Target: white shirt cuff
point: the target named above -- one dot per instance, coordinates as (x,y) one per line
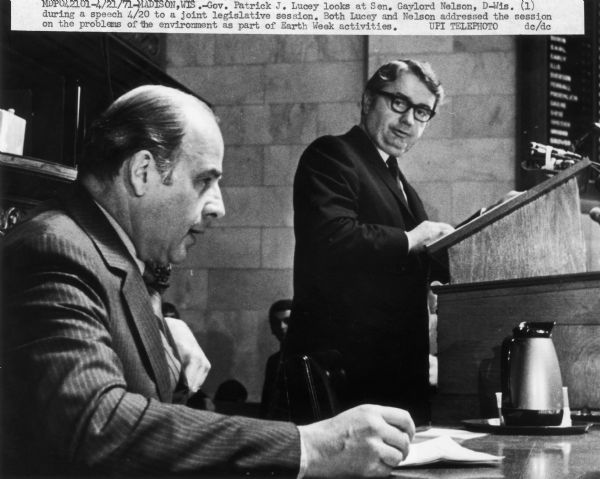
(303,458)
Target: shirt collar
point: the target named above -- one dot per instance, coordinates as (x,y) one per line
(124,238)
(384,155)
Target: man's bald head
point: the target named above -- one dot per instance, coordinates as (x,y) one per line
(151,117)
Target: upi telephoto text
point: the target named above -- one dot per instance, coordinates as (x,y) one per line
(381,17)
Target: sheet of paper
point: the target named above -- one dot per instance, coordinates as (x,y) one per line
(445,449)
(459,434)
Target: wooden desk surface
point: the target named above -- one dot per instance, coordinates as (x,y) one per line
(527,457)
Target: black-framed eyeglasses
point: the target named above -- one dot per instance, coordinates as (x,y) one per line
(401,104)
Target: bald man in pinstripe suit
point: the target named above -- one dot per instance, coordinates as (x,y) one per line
(87,387)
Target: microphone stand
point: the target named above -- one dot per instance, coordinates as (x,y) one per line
(551,159)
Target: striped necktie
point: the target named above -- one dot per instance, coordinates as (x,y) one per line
(392,164)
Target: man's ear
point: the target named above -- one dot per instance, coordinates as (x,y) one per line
(367,100)
(139,167)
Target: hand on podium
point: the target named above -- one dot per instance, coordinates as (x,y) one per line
(426,233)
(433,370)
(508,196)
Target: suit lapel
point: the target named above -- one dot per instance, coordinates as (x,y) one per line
(134,293)
(376,164)
(136,298)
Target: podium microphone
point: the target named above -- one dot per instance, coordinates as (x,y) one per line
(595,214)
(594,130)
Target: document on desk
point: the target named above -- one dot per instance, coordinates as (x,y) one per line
(444,449)
(458,434)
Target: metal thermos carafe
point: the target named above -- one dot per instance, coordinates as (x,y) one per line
(531,379)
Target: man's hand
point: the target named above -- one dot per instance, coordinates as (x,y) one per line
(595,214)
(433,370)
(427,232)
(366,441)
(194,362)
(508,196)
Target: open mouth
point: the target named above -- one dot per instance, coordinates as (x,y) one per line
(197,230)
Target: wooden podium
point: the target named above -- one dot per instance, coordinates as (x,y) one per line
(521,261)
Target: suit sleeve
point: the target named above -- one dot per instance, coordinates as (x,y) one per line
(328,213)
(72,391)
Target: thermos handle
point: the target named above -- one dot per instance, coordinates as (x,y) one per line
(505,370)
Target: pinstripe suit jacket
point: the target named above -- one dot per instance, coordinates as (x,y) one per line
(86,385)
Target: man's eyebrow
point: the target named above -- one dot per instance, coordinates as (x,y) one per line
(214,172)
(203,175)
(402,96)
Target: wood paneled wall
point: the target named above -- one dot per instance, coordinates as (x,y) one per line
(474,319)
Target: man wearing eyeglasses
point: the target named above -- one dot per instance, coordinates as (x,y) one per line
(361,277)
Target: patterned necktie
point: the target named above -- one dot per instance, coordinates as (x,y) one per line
(392,164)
(167,341)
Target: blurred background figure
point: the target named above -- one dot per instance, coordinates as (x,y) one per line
(231,391)
(231,397)
(279,316)
(271,405)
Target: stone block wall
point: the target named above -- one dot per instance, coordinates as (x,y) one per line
(273,95)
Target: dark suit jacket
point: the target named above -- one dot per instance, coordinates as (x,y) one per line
(356,288)
(86,385)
